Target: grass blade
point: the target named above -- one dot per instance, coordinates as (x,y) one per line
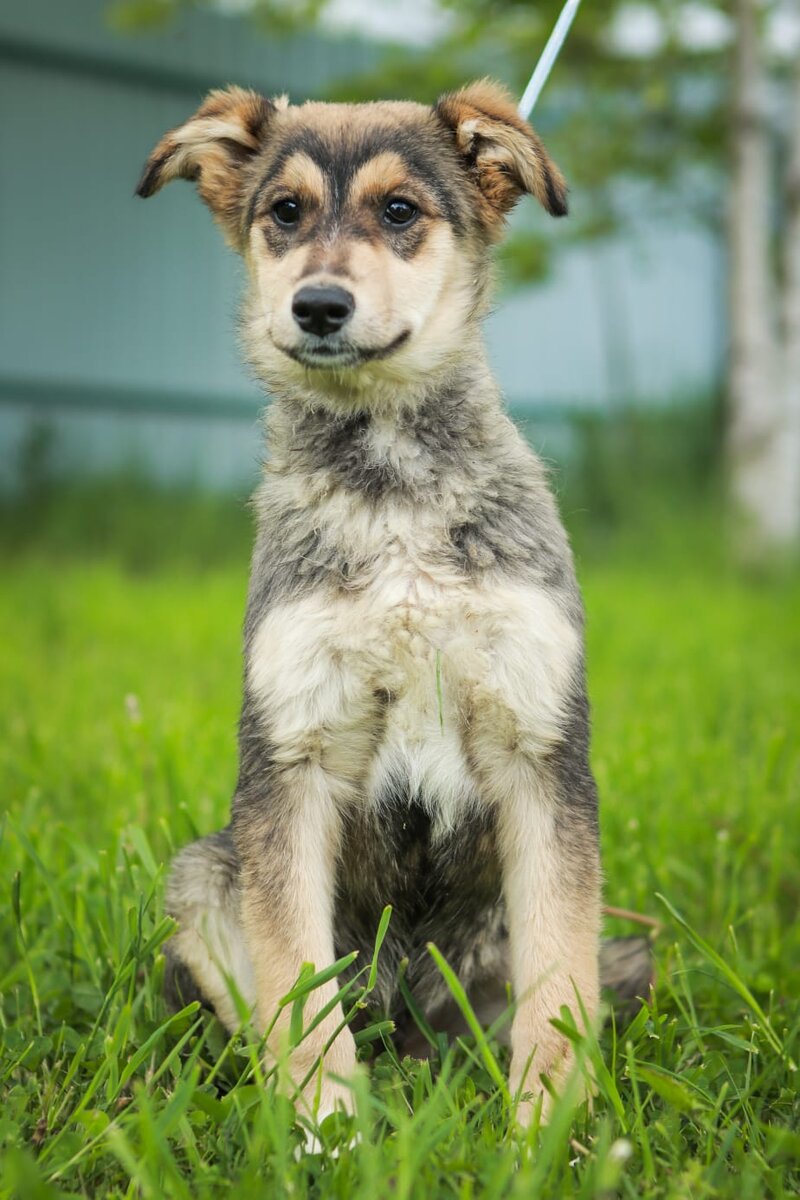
(456,989)
(728,973)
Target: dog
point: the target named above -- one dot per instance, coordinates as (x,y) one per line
(415,726)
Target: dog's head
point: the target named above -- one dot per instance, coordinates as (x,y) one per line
(365,227)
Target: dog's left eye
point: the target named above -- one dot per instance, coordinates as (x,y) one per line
(399,212)
(286,212)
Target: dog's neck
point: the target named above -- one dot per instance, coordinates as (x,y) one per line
(402,441)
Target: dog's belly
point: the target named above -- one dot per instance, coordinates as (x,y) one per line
(443,888)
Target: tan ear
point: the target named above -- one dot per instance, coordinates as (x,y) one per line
(501,151)
(212,148)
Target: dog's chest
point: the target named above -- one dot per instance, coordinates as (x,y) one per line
(426,643)
(410,652)
(415,605)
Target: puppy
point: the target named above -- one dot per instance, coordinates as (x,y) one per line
(414,727)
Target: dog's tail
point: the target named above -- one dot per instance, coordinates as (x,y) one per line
(626,968)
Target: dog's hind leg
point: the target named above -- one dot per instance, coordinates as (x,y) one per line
(206,958)
(626,974)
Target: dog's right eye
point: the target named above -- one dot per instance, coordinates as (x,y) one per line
(399,212)
(286,212)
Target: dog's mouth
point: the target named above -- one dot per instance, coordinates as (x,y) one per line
(341,353)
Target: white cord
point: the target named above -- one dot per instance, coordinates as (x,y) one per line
(549,55)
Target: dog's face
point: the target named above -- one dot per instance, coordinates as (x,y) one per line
(365,227)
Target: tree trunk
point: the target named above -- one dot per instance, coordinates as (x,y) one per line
(754,383)
(788,517)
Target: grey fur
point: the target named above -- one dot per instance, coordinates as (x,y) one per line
(505,519)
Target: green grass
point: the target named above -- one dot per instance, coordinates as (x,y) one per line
(119,689)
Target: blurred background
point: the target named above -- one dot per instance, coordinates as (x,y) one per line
(654,336)
(648,346)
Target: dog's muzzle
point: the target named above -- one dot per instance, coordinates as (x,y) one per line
(322,310)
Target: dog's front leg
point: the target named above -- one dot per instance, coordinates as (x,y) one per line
(544,801)
(551,882)
(308,736)
(287,847)
(307,739)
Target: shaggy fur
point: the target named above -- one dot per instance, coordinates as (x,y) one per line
(414,727)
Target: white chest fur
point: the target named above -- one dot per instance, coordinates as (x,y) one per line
(434,646)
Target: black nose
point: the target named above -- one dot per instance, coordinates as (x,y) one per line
(322,310)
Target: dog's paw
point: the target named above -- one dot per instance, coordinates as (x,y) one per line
(333,1097)
(535,1101)
(530,1099)
(333,1103)
(553,1059)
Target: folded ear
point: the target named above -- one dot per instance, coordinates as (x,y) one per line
(501,151)
(213,148)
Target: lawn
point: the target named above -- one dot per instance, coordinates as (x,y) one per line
(119,682)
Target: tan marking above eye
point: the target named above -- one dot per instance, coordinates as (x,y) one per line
(301,177)
(380,177)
